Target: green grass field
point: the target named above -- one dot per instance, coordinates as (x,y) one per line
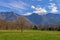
(29,35)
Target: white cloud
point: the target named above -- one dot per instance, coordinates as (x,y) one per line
(39,10)
(28,13)
(16,5)
(53,8)
(19,5)
(33,7)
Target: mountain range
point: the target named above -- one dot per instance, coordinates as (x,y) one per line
(48,19)
(11,20)
(10,16)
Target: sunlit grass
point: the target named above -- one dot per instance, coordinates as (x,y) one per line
(29,35)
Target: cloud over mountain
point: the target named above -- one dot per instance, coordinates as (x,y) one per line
(53,8)
(27,7)
(39,10)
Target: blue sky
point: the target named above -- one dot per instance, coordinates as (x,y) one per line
(27,7)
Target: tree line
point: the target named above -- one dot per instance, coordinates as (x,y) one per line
(54,27)
(22,24)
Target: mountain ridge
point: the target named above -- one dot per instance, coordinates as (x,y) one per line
(49,18)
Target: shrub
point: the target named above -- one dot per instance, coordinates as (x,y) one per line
(34,27)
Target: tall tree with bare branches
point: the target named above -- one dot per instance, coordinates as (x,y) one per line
(21,23)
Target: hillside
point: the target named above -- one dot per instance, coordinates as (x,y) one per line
(48,19)
(10,20)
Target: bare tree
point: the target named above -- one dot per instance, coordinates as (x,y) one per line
(21,22)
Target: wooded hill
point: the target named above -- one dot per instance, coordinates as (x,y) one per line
(20,22)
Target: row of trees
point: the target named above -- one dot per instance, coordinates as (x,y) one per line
(21,24)
(49,27)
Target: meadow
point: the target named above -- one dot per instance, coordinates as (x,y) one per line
(29,35)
